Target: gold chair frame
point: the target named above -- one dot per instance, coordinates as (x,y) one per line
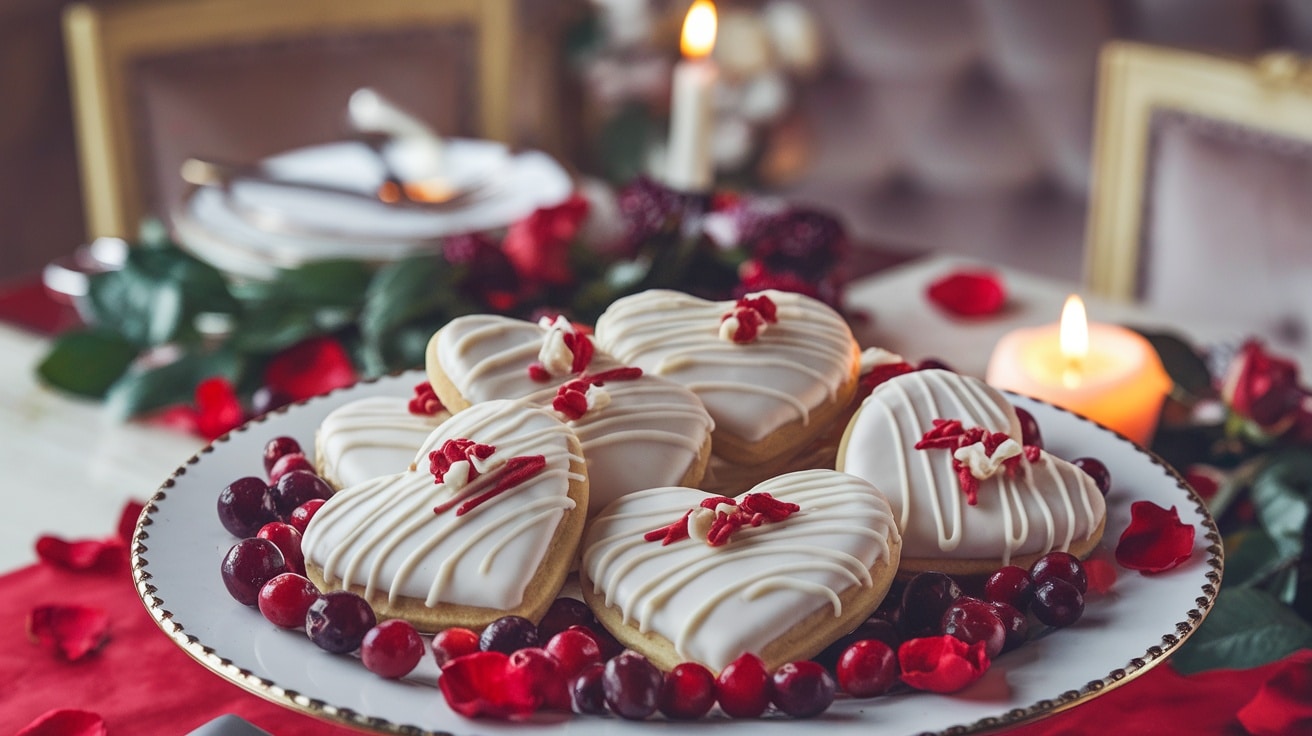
(102,40)
(1272,93)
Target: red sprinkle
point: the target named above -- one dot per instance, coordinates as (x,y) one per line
(454,451)
(671,532)
(425,401)
(949,434)
(516,471)
(572,397)
(752,313)
(756,509)
(580,347)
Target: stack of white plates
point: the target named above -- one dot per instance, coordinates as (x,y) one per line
(289,215)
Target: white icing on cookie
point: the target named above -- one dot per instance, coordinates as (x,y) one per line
(366,438)
(645,433)
(384,535)
(714,603)
(1048,505)
(750,389)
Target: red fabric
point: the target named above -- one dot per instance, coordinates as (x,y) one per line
(141,683)
(27,304)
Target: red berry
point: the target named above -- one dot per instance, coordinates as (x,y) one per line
(278,447)
(250,564)
(288,540)
(285,599)
(744,687)
(245,505)
(1010,585)
(537,675)
(1057,603)
(392,649)
(867,668)
(924,599)
(632,686)
(301,515)
(508,634)
(295,487)
(1029,429)
(454,642)
(287,463)
(337,621)
(1096,470)
(873,628)
(587,695)
(1062,566)
(688,692)
(564,613)
(1014,622)
(971,620)
(803,689)
(574,648)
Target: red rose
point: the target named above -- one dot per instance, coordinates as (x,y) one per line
(309,368)
(1263,389)
(538,245)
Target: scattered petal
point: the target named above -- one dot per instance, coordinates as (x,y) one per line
(1283,704)
(86,555)
(477,685)
(309,368)
(66,722)
(1101,575)
(1156,540)
(218,410)
(72,631)
(941,664)
(968,293)
(127,520)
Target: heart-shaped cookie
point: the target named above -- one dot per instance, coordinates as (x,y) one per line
(773,368)
(371,437)
(638,431)
(1027,501)
(805,562)
(485,524)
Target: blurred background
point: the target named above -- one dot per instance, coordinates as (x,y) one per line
(958,126)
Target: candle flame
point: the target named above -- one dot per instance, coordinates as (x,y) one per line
(1074,337)
(698,37)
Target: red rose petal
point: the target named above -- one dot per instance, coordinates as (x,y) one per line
(1283,704)
(218,410)
(1101,575)
(477,685)
(941,664)
(1156,540)
(72,632)
(127,520)
(538,246)
(309,368)
(968,293)
(66,722)
(87,555)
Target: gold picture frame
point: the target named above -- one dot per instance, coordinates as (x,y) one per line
(1272,93)
(104,38)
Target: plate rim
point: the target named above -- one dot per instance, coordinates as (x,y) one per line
(306,705)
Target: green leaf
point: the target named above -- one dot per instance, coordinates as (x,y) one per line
(156,296)
(86,362)
(1183,364)
(1280,494)
(145,390)
(1246,628)
(403,291)
(333,283)
(1250,557)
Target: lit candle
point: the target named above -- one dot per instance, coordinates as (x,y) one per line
(688,164)
(1106,373)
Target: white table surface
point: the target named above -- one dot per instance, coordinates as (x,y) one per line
(69,468)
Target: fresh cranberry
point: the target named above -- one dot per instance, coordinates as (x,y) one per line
(971,620)
(289,463)
(538,673)
(803,689)
(1011,585)
(245,505)
(1029,428)
(564,613)
(632,685)
(575,648)
(1102,477)
(1013,622)
(288,540)
(508,634)
(454,642)
(587,695)
(872,628)
(1057,603)
(867,668)
(297,487)
(285,599)
(250,564)
(933,364)
(392,649)
(925,598)
(610,646)
(301,515)
(688,692)
(1062,566)
(337,621)
(276,448)
(744,687)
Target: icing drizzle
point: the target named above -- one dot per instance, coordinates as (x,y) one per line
(714,603)
(369,437)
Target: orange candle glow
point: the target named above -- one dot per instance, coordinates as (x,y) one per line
(1104,372)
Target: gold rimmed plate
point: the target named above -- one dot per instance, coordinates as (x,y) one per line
(179,544)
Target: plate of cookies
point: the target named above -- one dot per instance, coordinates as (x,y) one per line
(723,512)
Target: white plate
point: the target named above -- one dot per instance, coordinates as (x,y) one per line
(179,544)
(307,225)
